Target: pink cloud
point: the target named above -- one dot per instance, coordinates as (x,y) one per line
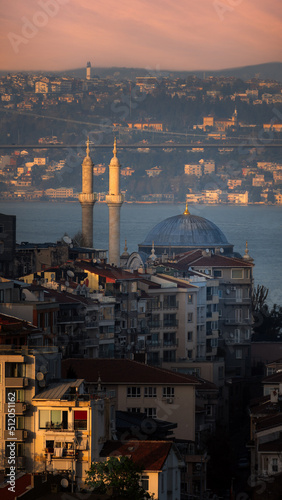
(186,35)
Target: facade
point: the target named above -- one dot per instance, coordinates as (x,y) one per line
(160,460)
(20,381)
(140,388)
(71,428)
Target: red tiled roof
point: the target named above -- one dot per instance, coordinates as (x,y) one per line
(269,422)
(150,455)
(196,258)
(123,371)
(274,378)
(275,446)
(114,273)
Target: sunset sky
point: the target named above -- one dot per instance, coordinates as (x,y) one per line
(155,34)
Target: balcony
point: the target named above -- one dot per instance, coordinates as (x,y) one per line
(72,318)
(170,323)
(18,435)
(20,408)
(153,325)
(169,307)
(20,462)
(16,382)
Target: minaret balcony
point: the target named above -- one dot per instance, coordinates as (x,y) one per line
(115,199)
(87,197)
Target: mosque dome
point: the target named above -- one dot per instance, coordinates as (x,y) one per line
(185,232)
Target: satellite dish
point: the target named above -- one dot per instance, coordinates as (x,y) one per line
(228,292)
(94,261)
(39,376)
(207,271)
(70,273)
(42,383)
(43,369)
(67,283)
(64,482)
(207,250)
(67,240)
(221,250)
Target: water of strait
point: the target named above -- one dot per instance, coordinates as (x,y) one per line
(260,225)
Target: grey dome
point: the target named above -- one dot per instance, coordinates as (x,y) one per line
(185,230)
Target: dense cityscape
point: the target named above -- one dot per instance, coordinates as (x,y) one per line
(242,116)
(140,250)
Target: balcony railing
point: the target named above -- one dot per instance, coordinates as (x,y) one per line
(18,435)
(19,408)
(16,382)
(170,323)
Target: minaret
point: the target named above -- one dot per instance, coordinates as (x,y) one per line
(88,71)
(87,198)
(114,201)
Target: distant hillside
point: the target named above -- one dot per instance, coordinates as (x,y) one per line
(269,71)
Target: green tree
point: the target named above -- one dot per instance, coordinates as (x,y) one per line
(118,476)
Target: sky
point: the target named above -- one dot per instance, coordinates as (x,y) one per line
(154,34)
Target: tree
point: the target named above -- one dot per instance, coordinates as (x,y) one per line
(118,475)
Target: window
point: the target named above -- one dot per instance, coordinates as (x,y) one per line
(217,273)
(169,356)
(208,409)
(238,353)
(19,424)
(151,412)
(190,317)
(247,334)
(19,449)
(237,274)
(170,320)
(190,298)
(220,294)
(190,336)
(15,370)
(80,419)
(168,392)
(169,301)
(56,419)
(275,465)
(134,410)
(220,313)
(145,482)
(190,354)
(237,336)
(169,339)
(150,392)
(19,395)
(133,392)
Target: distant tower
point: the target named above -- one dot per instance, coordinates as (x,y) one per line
(87,198)
(235,117)
(114,201)
(88,71)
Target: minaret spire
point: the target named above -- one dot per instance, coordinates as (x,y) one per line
(114,201)
(87,198)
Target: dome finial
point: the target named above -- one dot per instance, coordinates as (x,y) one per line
(125,246)
(87,147)
(115,147)
(246,255)
(186,211)
(153,256)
